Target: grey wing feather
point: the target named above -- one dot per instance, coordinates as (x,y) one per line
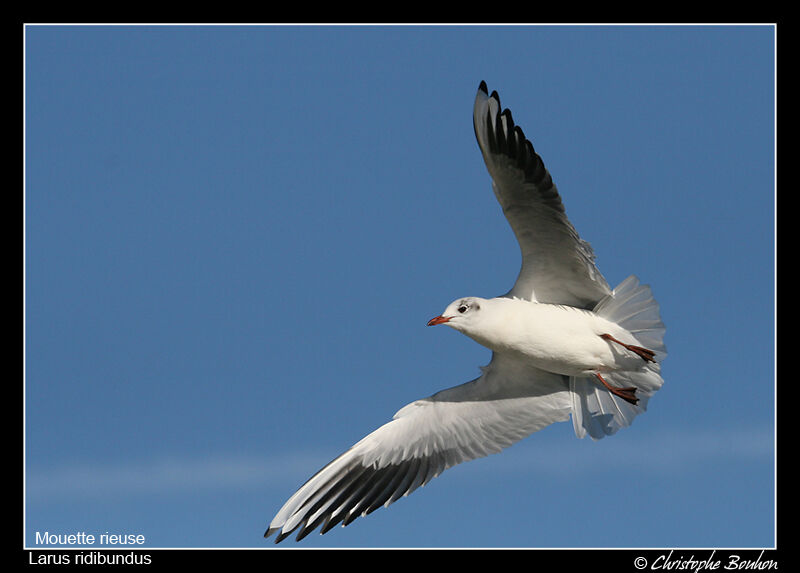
(509,401)
(557,265)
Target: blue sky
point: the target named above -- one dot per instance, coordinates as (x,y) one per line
(234,237)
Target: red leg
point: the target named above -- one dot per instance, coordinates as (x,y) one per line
(644,353)
(626,394)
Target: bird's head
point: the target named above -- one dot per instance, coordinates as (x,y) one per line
(461,314)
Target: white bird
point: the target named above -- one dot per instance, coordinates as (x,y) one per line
(563,343)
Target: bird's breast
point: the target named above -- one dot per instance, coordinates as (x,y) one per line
(555,338)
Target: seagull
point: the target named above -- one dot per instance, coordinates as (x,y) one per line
(563,344)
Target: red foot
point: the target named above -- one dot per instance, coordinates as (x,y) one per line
(644,353)
(627,394)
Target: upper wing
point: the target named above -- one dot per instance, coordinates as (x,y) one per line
(557,265)
(508,402)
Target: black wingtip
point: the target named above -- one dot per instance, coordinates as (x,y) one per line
(485,89)
(282,536)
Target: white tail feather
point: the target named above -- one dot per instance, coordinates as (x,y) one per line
(595,410)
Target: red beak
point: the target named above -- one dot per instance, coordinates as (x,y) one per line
(438,320)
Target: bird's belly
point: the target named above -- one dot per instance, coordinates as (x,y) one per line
(578,356)
(565,342)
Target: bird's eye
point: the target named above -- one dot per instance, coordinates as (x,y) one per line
(462,308)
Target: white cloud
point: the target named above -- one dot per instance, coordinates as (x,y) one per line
(558,455)
(165,475)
